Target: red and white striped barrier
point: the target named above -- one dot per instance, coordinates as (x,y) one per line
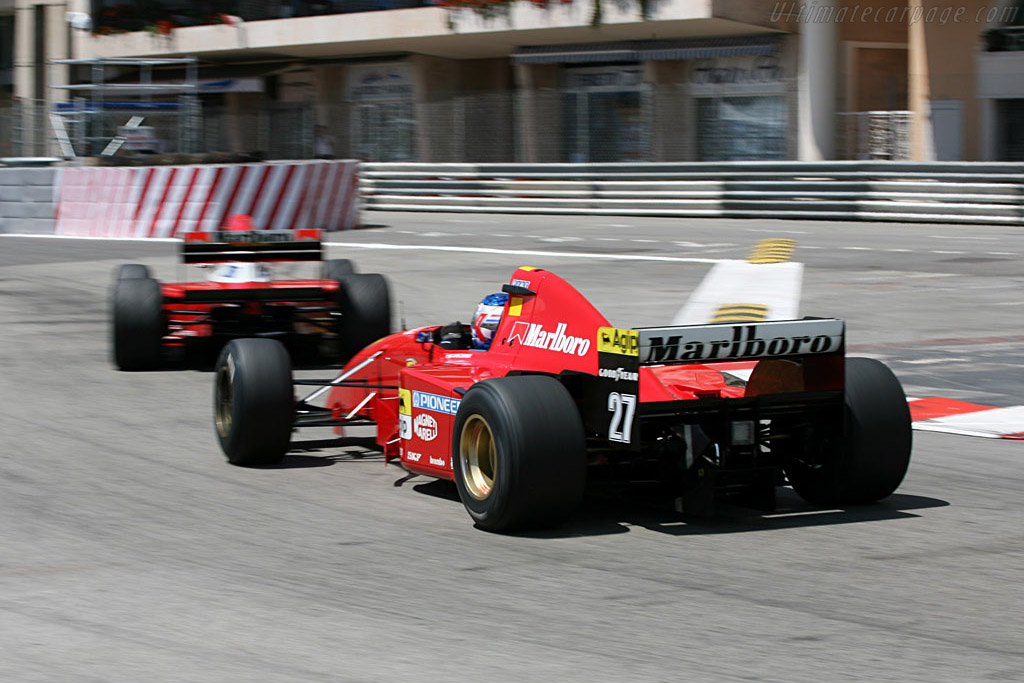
(169,201)
(935,414)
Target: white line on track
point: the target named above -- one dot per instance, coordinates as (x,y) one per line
(420,247)
(523,252)
(958,237)
(86,237)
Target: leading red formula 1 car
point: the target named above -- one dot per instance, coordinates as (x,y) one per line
(724,411)
(241,298)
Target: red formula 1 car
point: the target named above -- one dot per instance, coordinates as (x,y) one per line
(240,298)
(709,411)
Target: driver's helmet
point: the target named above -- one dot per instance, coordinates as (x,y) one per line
(486,319)
(239,222)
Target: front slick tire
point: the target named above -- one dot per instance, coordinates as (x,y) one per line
(253,402)
(519,453)
(365,304)
(872,459)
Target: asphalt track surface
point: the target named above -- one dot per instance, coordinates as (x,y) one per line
(131,551)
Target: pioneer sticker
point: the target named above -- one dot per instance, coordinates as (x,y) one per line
(435,403)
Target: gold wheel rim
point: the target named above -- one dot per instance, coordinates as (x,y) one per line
(478,457)
(224,400)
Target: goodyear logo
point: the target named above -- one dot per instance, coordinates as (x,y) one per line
(614,340)
(773,251)
(404,402)
(435,403)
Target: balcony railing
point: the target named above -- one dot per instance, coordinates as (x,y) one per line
(1005,39)
(158,19)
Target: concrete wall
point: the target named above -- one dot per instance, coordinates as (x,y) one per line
(27,199)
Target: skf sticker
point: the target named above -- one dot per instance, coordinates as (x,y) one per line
(614,340)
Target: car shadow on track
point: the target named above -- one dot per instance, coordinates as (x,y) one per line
(602,516)
(341,449)
(306,353)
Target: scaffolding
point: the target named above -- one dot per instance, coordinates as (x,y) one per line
(94,120)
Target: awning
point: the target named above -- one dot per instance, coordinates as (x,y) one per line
(649,50)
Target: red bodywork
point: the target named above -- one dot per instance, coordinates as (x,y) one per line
(255,301)
(552,330)
(203,309)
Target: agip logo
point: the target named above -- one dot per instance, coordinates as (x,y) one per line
(404,414)
(425,427)
(622,342)
(404,402)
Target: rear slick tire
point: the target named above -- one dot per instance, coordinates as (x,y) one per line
(139,324)
(131,271)
(338,268)
(874,454)
(519,453)
(253,402)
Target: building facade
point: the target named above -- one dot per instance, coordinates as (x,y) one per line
(668,80)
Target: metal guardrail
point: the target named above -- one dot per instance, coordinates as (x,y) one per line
(936,192)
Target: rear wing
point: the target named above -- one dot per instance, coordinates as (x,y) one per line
(791,364)
(252,245)
(758,341)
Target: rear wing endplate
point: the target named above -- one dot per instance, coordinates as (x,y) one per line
(757,341)
(251,245)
